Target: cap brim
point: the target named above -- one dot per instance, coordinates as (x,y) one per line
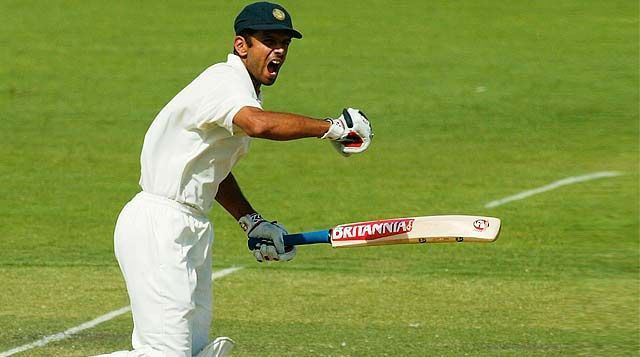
(294,33)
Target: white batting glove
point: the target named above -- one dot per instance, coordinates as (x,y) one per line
(351,133)
(270,235)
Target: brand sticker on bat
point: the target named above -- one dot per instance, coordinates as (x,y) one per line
(372,230)
(480,224)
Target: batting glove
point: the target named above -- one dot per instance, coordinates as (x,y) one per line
(270,235)
(351,133)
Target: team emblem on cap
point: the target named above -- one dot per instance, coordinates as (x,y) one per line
(278,14)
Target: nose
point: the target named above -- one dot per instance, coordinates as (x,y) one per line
(282,45)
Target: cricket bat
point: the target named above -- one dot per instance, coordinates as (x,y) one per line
(426,229)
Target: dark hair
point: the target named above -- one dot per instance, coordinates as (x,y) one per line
(246,33)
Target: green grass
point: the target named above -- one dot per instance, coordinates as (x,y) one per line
(471,101)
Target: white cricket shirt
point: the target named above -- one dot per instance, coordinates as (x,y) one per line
(192,143)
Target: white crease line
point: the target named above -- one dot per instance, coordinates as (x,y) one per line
(95,322)
(553,185)
(224,272)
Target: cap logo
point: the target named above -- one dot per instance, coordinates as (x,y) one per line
(278,14)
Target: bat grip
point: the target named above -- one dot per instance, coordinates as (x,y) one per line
(298,239)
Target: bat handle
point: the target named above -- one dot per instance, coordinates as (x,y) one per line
(298,239)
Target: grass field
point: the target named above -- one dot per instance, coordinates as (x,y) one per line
(471,101)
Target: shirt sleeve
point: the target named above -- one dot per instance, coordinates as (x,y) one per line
(223,103)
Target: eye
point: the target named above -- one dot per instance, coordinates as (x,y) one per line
(268,41)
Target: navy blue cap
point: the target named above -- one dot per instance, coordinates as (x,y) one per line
(265,16)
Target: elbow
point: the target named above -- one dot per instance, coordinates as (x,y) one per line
(257,129)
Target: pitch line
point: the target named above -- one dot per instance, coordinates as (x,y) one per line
(95,322)
(566,181)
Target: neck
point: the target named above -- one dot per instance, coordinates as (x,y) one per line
(256,85)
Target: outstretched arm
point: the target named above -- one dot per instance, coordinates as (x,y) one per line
(350,133)
(279,126)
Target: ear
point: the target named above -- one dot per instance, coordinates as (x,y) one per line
(241,46)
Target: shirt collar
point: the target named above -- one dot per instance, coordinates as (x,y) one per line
(236,63)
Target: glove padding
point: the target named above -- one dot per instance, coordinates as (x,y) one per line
(270,234)
(351,133)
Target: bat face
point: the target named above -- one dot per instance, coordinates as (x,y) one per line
(372,230)
(427,229)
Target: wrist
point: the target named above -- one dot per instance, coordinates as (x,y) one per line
(335,131)
(248,221)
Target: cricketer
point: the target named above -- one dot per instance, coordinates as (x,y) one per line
(163,237)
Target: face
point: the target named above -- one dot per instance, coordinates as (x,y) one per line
(266,55)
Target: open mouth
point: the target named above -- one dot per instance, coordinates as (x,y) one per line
(274,66)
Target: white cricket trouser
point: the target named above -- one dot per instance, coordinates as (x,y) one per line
(164,251)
